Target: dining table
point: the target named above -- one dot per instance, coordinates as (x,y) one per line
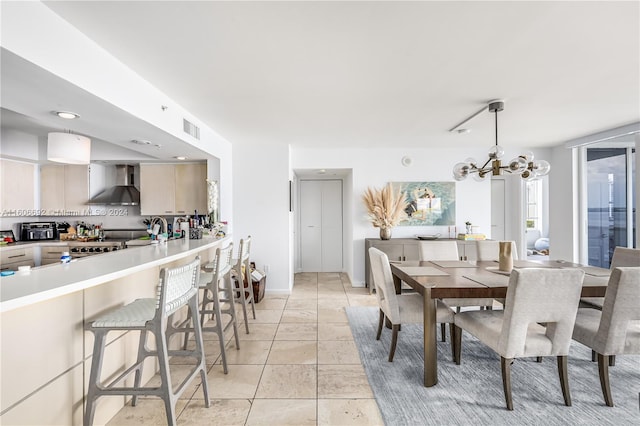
(472,279)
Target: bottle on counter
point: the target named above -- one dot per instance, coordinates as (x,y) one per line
(65,258)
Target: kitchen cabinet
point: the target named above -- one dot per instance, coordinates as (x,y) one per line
(14,258)
(17,187)
(64,189)
(173,189)
(51,254)
(407,249)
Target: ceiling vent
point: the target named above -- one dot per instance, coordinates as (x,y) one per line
(191,128)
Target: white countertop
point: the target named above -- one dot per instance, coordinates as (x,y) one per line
(39,284)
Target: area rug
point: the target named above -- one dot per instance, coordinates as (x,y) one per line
(471,393)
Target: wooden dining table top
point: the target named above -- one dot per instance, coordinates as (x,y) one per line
(476,279)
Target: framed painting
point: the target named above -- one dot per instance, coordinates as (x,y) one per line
(428,203)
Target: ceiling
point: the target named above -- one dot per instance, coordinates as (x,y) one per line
(381,74)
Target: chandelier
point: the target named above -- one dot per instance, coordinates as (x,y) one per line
(523,165)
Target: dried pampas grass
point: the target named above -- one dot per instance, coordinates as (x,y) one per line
(385,207)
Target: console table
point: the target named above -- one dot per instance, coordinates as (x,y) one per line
(402,249)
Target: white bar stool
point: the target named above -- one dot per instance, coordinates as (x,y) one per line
(178,287)
(246,293)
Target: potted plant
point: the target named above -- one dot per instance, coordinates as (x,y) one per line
(385,208)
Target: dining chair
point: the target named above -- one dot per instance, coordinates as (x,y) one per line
(489,250)
(448,250)
(178,287)
(534,296)
(399,308)
(622,256)
(614,330)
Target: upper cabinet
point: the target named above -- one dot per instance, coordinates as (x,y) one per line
(173,189)
(17,186)
(64,189)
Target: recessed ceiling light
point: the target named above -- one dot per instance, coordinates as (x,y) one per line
(180,158)
(322,171)
(461,131)
(67,115)
(140,141)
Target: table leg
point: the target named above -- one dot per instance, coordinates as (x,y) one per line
(430,335)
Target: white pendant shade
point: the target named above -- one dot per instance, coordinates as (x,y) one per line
(68,148)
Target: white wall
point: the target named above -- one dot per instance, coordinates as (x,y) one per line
(261,174)
(563,199)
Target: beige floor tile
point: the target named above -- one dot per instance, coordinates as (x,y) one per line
(338,352)
(295,315)
(333,302)
(221,412)
(304,294)
(250,352)
(334,331)
(258,332)
(302,304)
(288,381)
(362,300)
(332,315)
(293,352)
(349,412)
(178,373)
(273,302)
(263,316)
(241,382)
(211,353)
(297,331)
(148,411)
(294,412)
(343,381)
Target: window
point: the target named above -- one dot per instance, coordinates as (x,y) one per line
(534,205)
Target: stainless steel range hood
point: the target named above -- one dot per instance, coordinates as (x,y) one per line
(123,193)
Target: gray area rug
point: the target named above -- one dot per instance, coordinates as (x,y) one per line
(471,393)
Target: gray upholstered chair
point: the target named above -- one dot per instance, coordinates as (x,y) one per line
(621,257)
(489,250)
(448,250)
(534,296)
(178,288)
(614,330)
(398,308)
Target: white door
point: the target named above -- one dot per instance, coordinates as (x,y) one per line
(497,209)
(321,225)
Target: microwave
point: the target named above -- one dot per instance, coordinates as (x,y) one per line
(36,231)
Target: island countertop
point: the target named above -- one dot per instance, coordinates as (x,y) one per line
(47,282)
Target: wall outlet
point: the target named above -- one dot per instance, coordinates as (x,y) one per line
(266,268)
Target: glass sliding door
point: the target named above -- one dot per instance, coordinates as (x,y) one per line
(610,204)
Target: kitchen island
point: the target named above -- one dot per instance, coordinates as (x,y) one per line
(45,352)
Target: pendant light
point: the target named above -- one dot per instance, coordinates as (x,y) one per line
(523,165)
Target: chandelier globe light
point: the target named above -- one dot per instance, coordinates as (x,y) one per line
(523,165)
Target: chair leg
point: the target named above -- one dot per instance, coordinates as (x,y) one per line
(443,332)
(452,331)
(380,323)
(394,341)
(457,346)
(603,370)
(612,360)
(94,378)
(564,379)
(505,364)
(538,359)
(593,355)
(243,302)
(165,374)
(142,354)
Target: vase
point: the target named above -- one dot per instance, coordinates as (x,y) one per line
(385,233)
(468,229)
(505,259)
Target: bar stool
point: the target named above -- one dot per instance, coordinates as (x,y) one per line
(178,287)
(218,300)
(240,275)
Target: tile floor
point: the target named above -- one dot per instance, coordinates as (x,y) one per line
(298,366)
